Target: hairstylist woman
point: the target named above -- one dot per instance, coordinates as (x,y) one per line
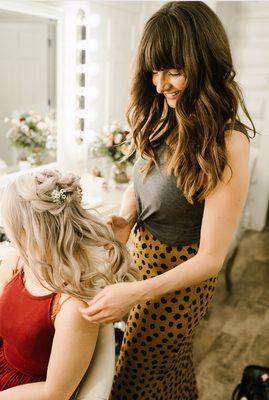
(190,185)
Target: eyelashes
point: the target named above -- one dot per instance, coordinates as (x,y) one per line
(169,73)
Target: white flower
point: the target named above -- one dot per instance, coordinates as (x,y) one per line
(41,126)
(58,196)
(118,138)
(6,120)
(24,128)
(32,133)
(14,121)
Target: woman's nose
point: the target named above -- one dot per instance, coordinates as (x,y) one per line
(161,82)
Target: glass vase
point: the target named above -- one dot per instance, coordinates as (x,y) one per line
(120,173)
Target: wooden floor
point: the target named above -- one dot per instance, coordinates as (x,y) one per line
(237,330)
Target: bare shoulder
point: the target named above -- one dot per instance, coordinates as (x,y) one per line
(70,314)
(238,146)
(236,141)
(9,260)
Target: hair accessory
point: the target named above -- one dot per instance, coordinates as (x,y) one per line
(58,196)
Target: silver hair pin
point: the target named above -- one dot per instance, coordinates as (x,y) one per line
(58,196)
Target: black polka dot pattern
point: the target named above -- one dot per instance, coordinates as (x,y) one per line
(155,360)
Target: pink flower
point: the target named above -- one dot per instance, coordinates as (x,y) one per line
(118,138)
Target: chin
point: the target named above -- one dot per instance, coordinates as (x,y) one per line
(172,103)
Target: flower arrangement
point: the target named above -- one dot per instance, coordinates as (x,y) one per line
(114,143)
(32,135)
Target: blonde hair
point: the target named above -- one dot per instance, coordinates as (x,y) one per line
(62,242)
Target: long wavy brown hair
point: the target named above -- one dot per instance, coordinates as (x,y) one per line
(187,35)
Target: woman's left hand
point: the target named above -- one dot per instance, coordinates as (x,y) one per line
(112,303)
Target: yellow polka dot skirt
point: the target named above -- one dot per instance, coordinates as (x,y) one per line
(155,360)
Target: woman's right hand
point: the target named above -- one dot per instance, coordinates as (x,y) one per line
(120,227)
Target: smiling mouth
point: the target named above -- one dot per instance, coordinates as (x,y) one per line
(171,95)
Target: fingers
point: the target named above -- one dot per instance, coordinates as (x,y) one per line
(94,305)
(116,220)
(95,317)
(97,312)
(108,320)
(111,219)
(96,299)
(101,318)
(91,318)
(122,222)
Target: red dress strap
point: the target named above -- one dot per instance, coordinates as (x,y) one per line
(56,306)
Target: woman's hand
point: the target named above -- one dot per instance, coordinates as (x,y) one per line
(112,303)
(120,227)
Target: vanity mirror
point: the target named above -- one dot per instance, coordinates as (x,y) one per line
(30,62)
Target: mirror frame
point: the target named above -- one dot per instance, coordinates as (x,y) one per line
(56,14)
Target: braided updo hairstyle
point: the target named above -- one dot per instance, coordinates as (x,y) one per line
(61,241)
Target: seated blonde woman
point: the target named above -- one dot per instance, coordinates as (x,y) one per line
(57,263)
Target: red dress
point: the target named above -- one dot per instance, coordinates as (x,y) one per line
(27,331)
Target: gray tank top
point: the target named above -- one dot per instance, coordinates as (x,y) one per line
(162,208)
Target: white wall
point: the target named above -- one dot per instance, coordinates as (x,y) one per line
(117,37)
(248,29)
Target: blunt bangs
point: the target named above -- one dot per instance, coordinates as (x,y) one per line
(162,49)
